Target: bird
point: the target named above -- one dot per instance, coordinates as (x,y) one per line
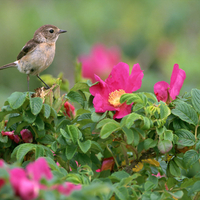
(38,53)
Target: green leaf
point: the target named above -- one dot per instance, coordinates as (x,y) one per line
(80,86)
(70,151)
(164,146)
(13,120)
(16,99)
(47,139)
(96,117)
(84,146)
(149,143)
(174,169)
(64,134)
(132,118)
(28,116)
(190,157)
(23,150)
(108,129)
(129,134)
(36,105)
(39,123)
(129,98)
(195,93)
(148,185)
(177,194)
(75,97)
(73,132)
(105,121)
(195,188)
(39,152)
(136,137)
(185,112)
(121,193)
(46,110)
(164,110)
(120,175)
(168,135)
(185,137)
(52,164)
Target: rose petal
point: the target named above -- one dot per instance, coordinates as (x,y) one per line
(161,90)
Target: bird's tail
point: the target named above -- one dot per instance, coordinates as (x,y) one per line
(8,65)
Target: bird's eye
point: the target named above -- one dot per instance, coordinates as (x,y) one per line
(51,30)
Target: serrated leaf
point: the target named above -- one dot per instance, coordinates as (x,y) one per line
(28,116)
(73,132)
(131,118)
(174,169)
(47,139)
(39,152)
(105,121)
(64,134)
(129,134)
(177,194)
(185,112)
(168,135)
(120,175)
(121,194)
(52,164)
(70,151)
(36,105)
(46,110)
(80,86)
(185,137)
(23,150)
(164,146)
(39,123)
(84,146)
(16,99)
(75,97)
(195,93)
(108,129)
(190,157)
(164,110)
(149,143)
(13,120)
(97,145)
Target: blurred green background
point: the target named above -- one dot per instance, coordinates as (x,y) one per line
(154,33)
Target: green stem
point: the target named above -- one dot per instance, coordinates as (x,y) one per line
(113,156)
(196,128)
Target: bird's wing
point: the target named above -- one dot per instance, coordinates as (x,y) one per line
(29,46)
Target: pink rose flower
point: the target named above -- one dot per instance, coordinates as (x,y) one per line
(39,169)
(99,62)
(67,188)
(23,187)
(27,136)
(11,135)
(107,94)
(168,92)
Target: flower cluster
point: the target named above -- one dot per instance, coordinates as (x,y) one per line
(26,183)
(26,135)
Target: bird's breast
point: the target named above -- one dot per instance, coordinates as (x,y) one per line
(38,59)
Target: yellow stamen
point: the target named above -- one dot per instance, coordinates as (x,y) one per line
(114,97)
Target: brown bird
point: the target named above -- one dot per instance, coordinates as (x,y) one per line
(38,53)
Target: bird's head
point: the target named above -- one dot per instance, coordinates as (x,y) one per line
(47,33)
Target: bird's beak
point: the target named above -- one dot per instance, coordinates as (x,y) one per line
(61,31)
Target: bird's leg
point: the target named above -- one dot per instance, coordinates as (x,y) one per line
(28,78)
(47,87)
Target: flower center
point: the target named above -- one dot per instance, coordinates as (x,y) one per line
(114,97)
